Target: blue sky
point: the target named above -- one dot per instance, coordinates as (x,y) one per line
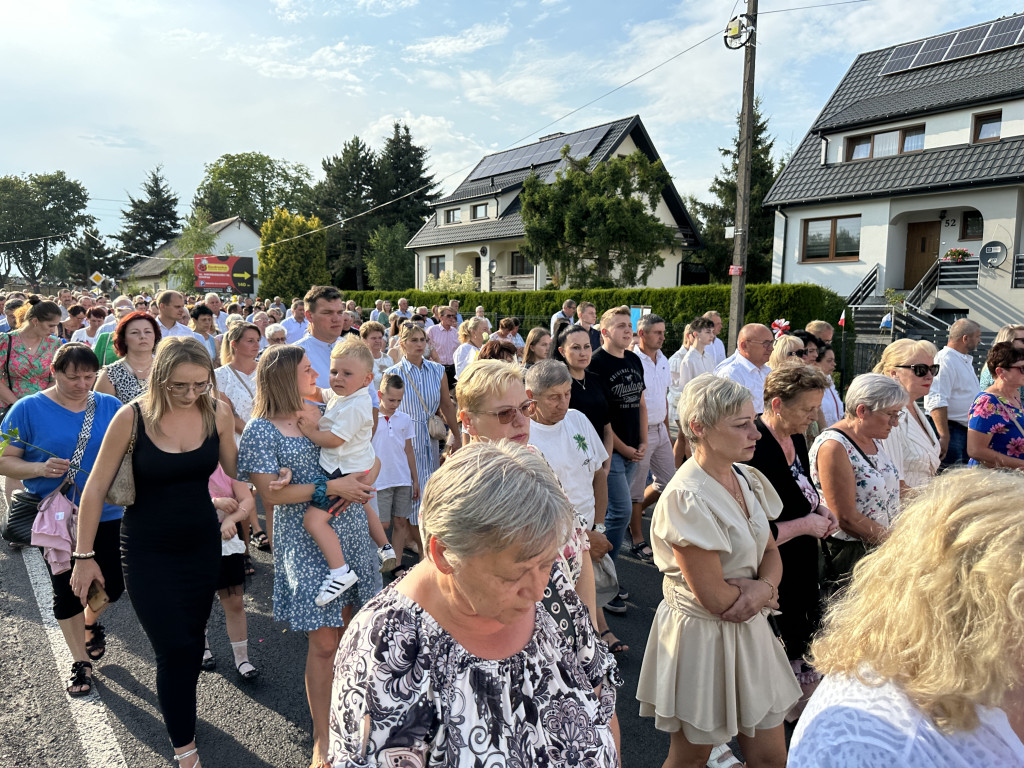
(107,89)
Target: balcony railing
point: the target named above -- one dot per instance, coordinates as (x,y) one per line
(513,282)
(962,274)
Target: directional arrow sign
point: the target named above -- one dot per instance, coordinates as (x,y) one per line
(243,275)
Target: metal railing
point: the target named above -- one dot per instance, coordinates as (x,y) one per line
(865,288)
(959,274)
(1018,270)
(525,282)
(925,286)
(914,315)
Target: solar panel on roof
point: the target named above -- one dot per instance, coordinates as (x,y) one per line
(901,57)
(933,50)
(581,143)
(967,42)
(1004,33)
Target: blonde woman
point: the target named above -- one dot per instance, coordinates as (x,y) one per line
(471,338)
(171,568)
(912,445)
(787,349)
(934,677)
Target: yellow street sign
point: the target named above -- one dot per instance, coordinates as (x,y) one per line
(96,278)
(243,275)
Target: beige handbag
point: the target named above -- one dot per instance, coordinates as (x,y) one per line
(436,428)
(122,489)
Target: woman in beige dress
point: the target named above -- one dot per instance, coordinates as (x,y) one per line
(713,668)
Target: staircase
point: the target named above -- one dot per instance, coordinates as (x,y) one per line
(868,307)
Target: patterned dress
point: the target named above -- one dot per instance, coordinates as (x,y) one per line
(992,415)
(239,388)
(299,565)
(427,380)
(432,703)
(127,386)
(27,373)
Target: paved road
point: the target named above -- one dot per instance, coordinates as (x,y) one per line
(251,725)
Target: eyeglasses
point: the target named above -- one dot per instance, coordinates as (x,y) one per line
(180,389)
(894,418)
(766,344)
(921,370)
(505,415)
(1019,368)
(798,353)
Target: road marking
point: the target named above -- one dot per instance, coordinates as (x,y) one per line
(88,712)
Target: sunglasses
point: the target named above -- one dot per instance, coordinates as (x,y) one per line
(921,370)
(798,353)
(505,415)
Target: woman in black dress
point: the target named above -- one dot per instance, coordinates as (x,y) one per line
(792,397)
(170,537)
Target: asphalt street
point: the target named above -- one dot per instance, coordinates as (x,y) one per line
(261,724)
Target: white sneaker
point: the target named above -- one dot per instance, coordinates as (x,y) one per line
(388,561)
(333,588)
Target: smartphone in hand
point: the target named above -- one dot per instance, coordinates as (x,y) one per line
(97,597)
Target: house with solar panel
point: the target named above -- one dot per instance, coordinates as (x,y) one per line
(919,151)
(479,224)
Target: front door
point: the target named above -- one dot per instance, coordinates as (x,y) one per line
(922,251)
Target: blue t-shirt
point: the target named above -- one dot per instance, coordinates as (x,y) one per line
(44,423)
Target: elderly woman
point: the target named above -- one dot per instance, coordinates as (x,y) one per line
(995,430)
(787,349)
(922,654)
(462,663)
(854,474)
(135,340)
(912,445)
(713,668)
(791,397)
(276,334)
(1014,333)
(271,442)
(471,338)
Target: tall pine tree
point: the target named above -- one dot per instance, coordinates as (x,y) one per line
(715,217)
(402,170)
(87,254)
(150,220)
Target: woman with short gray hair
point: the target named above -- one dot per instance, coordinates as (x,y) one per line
(854,474)
(713,669)
(465,626)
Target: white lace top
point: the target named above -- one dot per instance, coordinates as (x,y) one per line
(848,724)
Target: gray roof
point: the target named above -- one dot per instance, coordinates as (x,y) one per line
(160,261)
(509,224)
(864,98)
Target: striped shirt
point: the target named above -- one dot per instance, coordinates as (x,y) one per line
(445,342)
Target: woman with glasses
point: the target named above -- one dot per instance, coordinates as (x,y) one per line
(995,430)
(170,537)
(1014,333)
(912,445)
(855,476)
(787,349)
(276,334)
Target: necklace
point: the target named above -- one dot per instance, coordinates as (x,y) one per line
(582,382)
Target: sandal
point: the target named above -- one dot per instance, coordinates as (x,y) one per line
(96,647)
(639,553)
(722,757)
(247,567)
(209,662)
(79,679)
(183,755)
(617,647)
(251,673)
(259,538)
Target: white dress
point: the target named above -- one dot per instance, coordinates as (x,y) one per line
(914,449)
(240,389)
(848,724)
(707,677)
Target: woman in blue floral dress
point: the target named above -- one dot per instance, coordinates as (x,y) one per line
(271,444)
(995,430)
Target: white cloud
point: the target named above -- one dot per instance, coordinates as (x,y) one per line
(450,46)
(291,10)
(384,7)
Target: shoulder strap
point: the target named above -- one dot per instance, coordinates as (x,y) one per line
(417,391)
(241,380)
(7,363)
(135,427)
(83,437)
(852,442)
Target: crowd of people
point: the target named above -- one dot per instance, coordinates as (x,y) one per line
(491,481)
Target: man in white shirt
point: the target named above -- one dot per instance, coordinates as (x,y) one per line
(566,313)
(748,364)
(717,347)
(296,324)
(587,314)
(481,314)
(954,390)
(687,364)
(169,305)
(403,309)
(326,314)
(375,312)
(220,318)
(658,458)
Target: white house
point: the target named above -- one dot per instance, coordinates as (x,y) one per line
(479,226)
(232,234)
(919,150)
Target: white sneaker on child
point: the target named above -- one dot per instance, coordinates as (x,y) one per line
(388,561)
(334,587)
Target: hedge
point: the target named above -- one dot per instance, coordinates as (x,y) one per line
(798,303)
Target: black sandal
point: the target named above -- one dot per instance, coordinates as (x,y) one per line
(96,647)
(617,647)
(250,674)
(259,538)
(638,552)
(80,679)
(247,565)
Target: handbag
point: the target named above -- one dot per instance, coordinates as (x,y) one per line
(122,489)
(17,526)
(7,376)
(436,428)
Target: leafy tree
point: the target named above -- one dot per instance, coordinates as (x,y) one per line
(401,173)
(387,262)
(196,238)
(87,254)
(594,227)
(152,219)
(290,268)
(347,191)
(252,185)
(450,282)
(42,211)
(716,216)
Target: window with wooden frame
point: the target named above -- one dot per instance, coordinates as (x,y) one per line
(478,211)
(987,127)
(833,239)
(519,264)
(897,141)
(453,216)
(435,265)
(972,225)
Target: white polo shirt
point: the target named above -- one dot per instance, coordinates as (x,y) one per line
(178,329)
(657,379)
(742,371)
(955,387)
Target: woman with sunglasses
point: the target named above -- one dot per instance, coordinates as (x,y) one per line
(912,445)
(1014,333)
(170,537)
(995,430)
(787,349)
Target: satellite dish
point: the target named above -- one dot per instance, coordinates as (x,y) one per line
(492,267)
(993,254)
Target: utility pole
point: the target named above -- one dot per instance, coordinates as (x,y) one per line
(742,30)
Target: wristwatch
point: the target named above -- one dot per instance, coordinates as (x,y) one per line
(599,527)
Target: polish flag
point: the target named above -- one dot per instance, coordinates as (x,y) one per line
(842,319)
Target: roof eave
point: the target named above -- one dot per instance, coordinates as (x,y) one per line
(908,192)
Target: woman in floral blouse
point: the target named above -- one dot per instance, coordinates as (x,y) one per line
(995,431)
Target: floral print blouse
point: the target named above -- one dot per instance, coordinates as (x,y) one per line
(992,415)
(27,374)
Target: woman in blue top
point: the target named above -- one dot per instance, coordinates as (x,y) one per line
(995,430)
(51,420)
